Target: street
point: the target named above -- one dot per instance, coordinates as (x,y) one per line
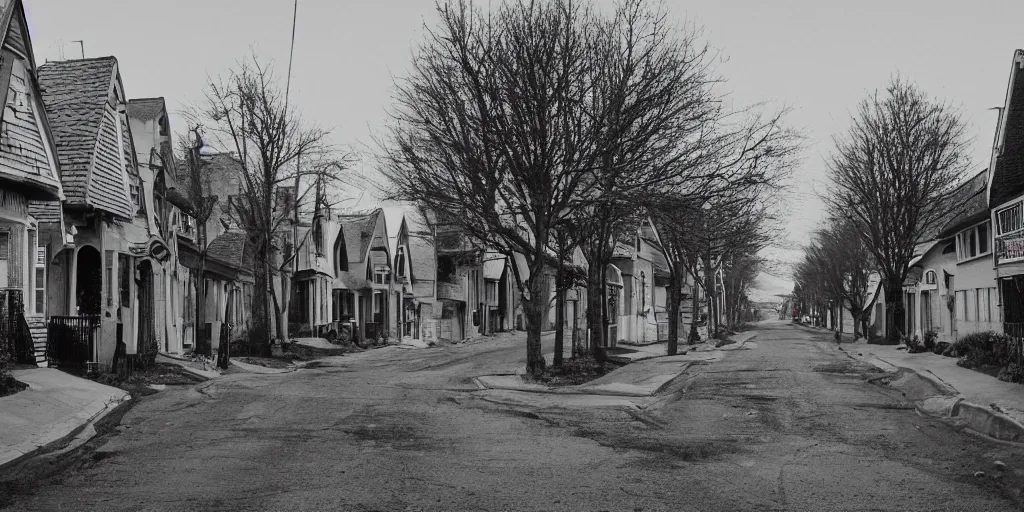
(786,422)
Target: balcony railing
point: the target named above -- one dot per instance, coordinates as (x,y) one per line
(71,340)
(1010,247)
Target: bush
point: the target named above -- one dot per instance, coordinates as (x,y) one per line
(1012,373)
(929,340)
(983,349)
(913,343)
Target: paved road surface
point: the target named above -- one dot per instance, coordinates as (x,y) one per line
(787,423)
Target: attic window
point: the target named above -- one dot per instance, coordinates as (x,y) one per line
(400,262)
(340,255)
(163,128)
(929,277)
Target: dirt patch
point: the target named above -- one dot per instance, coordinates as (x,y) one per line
(138,382)
(9,386)
(573,372)
(268,362)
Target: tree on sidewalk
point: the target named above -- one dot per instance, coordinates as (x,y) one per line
(197,188)
(892,173)
(285,163)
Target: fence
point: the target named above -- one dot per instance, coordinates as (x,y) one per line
(71,340)
(1015,331)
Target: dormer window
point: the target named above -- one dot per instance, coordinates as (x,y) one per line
(381,275)
(929,277)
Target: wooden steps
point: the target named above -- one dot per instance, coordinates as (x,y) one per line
(37,327)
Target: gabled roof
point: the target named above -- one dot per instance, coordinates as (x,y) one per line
(26,162)
(146,108)
(1007,180)
(968,205)
(359,231)
(75,93)
(421,252)
(231,248)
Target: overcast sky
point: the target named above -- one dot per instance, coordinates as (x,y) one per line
(818,57)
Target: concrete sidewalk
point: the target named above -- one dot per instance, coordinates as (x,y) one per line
(636,353)
(982,403)
(639,379)
(55,405)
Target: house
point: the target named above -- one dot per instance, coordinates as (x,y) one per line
(459,284)
(362,272)
(310,311)
(1006,197)
(32,230)
(634,258)
(499,293)
(151,134)
(101,291)
(423,274)
(227,279)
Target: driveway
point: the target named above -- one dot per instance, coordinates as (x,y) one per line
(786,423)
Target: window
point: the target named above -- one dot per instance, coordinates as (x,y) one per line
(124,280)
(340,254)
(5,245)
(961,301)
(400,262)
(318,236)
(40,280)
(108,257)
(1009,219)
(973,242)
(929,277)
(382,275)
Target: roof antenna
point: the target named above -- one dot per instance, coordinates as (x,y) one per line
(81,45)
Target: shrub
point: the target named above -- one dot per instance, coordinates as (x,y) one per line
(1012,373)
(983,349)
(913,343)
(930,338)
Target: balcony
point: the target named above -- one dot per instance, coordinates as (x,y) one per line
(1010,247)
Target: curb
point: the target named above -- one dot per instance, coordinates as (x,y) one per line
(574,390)
(74,438)
(953,407)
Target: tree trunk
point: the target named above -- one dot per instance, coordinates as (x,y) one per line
(202,343)
(673,313)
(894,314)
(533,311)
(281,306)
(559,314)
(595,308)
(694,336)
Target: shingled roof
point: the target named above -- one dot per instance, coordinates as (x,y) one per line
(968,206)
(230,248)
(421,252)
(75,94)
(1008,169)
(358,231)
(145,108)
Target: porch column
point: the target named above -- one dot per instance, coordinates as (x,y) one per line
(73,282)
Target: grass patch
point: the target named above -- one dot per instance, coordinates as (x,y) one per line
(573,372)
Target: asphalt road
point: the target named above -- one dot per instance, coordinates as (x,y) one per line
(786,423)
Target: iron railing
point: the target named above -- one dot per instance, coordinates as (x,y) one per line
(71,340)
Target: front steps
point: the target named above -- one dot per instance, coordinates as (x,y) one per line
(37,327)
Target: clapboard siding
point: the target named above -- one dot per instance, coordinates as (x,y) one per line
(15,40)
(107,188)
(21,145)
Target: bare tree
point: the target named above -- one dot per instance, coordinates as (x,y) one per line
(284,164)
(198,191)
(891,174)
(490,128)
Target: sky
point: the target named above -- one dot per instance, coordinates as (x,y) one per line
(819,58)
